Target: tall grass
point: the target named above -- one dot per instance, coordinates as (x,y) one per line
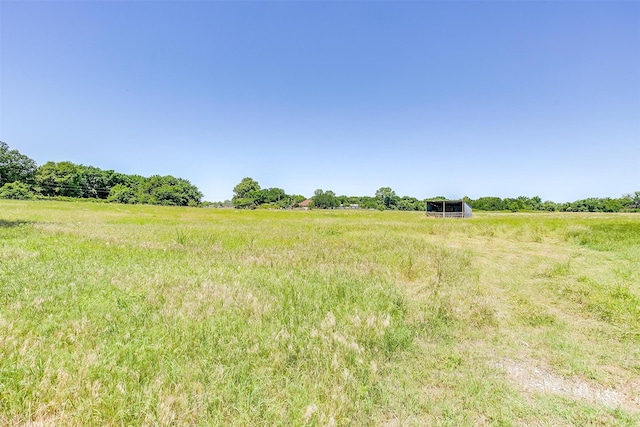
(141,315)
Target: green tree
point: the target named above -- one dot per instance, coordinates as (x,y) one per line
(94,182)
(16,190)
(59,179)
(368,202)
(548,206)
(488,204)
(514,205)
(168,190)
(387,198)
(246,195)
(275,196)
(15,166)
(120,193)
(406,205)
(535,203)
(612,205)
(354,200)
(410,204)
(325,199)
(631,201)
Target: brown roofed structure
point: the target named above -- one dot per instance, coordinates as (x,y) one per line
(305,203)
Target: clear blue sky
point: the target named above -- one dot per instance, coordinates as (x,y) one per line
(500,98)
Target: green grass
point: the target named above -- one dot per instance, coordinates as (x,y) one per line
(147,315)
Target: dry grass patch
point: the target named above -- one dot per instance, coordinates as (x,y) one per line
(542,379)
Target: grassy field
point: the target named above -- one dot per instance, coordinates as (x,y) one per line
(145,315)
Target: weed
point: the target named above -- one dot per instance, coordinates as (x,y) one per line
(181,237)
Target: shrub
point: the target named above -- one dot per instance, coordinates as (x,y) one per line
(16,190)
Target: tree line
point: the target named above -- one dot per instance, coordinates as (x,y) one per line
(249,195)
(626,203)
(22,178)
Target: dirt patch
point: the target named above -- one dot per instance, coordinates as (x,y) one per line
(542,379)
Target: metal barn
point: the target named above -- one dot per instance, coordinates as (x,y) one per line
(448,209)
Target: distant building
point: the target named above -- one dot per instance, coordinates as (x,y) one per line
(305,204)
(448,209)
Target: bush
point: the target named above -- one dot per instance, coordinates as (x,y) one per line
(16,191)
(122,194)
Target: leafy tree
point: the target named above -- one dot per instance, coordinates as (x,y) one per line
(59,179)
(488,204)
(410,204)
(168,194)
(246,187)
(367,202)
(95,182)
(272,195)
(548,206)
(343,200)
(325,199)
(16,190)
(120,193)
(387,198)
(354,201)
(15,166)
(631,201)
(243,203)
(246,195)
(168,190)
(535,203)
(514,205)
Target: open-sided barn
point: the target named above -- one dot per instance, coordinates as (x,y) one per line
(448,209)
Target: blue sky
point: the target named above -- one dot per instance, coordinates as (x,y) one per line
(428,98)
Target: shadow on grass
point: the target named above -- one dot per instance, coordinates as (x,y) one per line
(9,224)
